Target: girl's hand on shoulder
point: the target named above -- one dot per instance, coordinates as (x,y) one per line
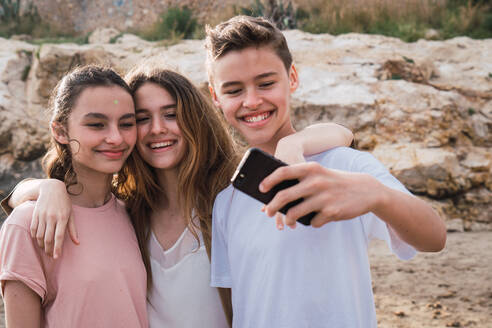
(52,214)
(312,140)
(290,149)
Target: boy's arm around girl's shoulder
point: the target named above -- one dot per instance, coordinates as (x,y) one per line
(343,195)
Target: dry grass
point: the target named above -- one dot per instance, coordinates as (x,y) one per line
(424,9)
(407,19)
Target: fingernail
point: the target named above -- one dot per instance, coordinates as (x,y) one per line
(292,226)
(261,187)
(280,226)
(263,208)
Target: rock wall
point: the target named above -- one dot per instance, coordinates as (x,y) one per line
(424,109)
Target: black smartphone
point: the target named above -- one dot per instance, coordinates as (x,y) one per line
(255,166)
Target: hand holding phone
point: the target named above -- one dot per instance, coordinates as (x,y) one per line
(255,166)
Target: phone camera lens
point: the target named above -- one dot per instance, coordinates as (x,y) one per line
(238,181)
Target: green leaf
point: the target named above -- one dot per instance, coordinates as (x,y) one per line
(409,60)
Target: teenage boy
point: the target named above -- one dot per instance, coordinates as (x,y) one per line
(311,276)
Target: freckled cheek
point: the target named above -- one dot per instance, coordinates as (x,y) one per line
(174,128)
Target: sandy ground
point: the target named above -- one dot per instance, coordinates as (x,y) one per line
(449,289)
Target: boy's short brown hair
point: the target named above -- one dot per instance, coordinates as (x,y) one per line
(241,32)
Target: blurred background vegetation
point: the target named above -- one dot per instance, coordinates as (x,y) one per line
(408,20)
(19,17)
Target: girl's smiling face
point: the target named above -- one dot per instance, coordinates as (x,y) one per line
(160,142)
(100,129)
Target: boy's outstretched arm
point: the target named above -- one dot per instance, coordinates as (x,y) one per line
(339,195)
(51,215)
(312,140)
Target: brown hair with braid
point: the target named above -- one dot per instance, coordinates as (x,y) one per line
(57,162)
(208,163)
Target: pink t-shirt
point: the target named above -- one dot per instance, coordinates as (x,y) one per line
(99,283)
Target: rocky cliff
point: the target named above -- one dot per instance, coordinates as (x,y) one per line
(424,109)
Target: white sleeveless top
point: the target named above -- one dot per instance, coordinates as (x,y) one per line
(181,295)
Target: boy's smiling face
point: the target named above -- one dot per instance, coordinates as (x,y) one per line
(252,88)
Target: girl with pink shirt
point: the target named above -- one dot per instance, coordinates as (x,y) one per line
(102,281)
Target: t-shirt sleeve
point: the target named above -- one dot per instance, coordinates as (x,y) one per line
(220,270)
(374,227)
(20,256)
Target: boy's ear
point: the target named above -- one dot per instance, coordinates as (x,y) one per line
(59,133)
(293,78)
(214,95)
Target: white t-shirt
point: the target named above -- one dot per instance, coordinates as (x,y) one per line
(181,295)
(306,277)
